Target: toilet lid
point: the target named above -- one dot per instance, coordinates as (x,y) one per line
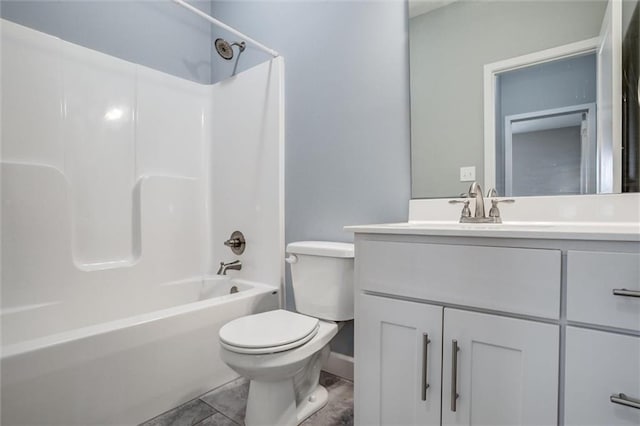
(266,332)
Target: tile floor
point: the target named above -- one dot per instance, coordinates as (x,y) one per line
(225,406)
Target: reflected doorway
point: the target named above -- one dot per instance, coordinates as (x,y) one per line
(551,152)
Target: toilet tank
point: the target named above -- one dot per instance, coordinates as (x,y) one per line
(322,279)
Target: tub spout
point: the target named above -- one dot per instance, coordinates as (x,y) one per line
(236,265)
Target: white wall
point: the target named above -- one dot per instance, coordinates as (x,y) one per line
(247,179)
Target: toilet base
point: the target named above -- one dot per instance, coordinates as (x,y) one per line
(274,403)
(312,403)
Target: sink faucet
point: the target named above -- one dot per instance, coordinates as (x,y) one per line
(475,191)
(236,265)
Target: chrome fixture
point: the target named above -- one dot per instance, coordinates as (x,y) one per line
(494,212)
(454,375)
(226,27)
(225,49)
(236,242)
(475,191)
(425,365)
(625,292)
(236,265)
(491,193)
(623,399)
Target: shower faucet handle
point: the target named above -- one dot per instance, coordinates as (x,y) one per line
(233,242)
(236,242)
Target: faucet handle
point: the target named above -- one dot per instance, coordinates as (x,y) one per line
(466,211)
(494,211)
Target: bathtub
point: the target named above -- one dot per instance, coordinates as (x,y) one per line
(121,371)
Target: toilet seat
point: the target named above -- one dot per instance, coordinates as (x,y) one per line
(268,332)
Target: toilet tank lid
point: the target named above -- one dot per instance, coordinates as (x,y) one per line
(321,248)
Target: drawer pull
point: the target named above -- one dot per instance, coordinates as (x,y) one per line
(454,374)
(622,399)
(625,292)
(425,365)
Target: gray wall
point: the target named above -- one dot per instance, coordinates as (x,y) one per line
(347,112)
(157,34)
(547,162)
(449,48)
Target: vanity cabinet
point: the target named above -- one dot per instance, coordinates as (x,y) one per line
(417,356)
(505,371)
(503,331)
(403,345)
(603,292)
(601,364)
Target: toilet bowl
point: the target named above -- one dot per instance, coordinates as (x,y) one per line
(282,352)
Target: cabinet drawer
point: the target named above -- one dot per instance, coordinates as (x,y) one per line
(598,365)
(591,279)
(525,281)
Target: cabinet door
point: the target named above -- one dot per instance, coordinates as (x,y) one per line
(504,373)
(392,361)
(600,365)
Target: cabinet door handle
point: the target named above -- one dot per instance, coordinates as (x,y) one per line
(454,374)
(625,292)
(622,399)
(425,365)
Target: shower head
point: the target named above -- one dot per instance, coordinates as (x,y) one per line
(225,49)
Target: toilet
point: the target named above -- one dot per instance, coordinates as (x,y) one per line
(282,352)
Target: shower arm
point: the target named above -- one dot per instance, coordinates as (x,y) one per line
(224,26)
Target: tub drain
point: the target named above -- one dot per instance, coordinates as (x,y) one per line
(234,289)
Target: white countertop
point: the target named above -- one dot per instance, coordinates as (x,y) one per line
(609,217)
(618,231)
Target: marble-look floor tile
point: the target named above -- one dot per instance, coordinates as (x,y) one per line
(230,399)
(339,408)
(217,420)
(226,406)
(187,414)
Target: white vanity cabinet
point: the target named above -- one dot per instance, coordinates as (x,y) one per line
(512,330)
(603,292)
(505,371)
(601,364)
(403,345)
(408,367)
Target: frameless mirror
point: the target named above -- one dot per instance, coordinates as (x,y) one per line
(518,95)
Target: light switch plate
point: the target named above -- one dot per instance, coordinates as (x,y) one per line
(467,174)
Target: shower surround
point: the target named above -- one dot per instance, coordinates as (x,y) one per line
(119,185)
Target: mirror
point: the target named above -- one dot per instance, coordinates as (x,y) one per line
(451,43)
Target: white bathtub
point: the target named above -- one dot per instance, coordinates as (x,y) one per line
(120,371)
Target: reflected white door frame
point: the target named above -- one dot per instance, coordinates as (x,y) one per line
(491,72)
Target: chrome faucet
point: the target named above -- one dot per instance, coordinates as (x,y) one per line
(236,265)
(475,191)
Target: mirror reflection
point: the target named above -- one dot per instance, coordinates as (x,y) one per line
(542,130)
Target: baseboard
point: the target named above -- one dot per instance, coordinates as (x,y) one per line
(340,365)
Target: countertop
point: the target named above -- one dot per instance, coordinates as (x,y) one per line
(615,231)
